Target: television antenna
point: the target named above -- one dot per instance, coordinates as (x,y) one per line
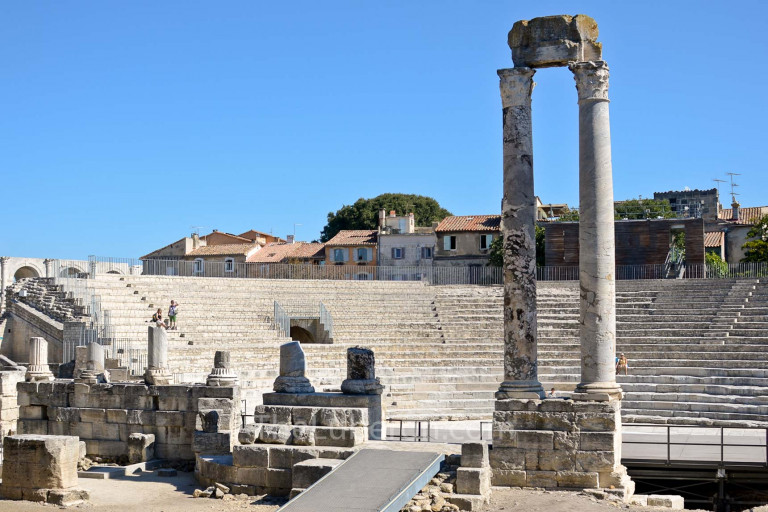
(733,194)
(718,185)
(196,229)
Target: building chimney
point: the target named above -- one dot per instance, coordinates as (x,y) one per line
(195,241)
(735,205)
(289,238)
(392,213)
(382,218)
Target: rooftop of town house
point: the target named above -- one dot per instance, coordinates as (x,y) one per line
(483,223)
(354,237)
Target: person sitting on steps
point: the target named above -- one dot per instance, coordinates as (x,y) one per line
(158,318)
(622,362)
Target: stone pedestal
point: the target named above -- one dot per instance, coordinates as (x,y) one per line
(38,370)
(41,468)
(221,374)
(518,217)
(558,443)
(94,372)
(292,369)
(157,373)
(361,373)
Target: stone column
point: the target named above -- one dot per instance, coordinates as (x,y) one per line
(95,371)
(157,373)
(597,273)
(518,213)
(293,365)
(48,267)
(38,370)
(361,373)
(4,280)
(221,374)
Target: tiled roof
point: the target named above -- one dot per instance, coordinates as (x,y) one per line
(252,234)
(224,250)
(277,252)
(354,237)
(488,223)
(234,238)
(746,215)
(160,249)
(714,239)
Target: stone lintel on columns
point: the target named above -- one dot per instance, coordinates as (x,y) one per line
(591,80)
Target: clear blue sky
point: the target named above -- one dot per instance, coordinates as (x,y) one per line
(124,124)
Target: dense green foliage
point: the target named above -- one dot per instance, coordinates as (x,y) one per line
(716,267)
(364,213)
(757,249)
(496,255)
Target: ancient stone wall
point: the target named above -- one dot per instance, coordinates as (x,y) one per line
(105,415)
(24,323)
(9,408)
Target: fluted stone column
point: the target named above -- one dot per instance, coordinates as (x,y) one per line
(597,272)
(38,370)
(221,374)
(518,213)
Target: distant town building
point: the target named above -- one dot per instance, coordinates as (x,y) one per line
(302,253)
(465,240)
(695,203)
(402,244)
(352,247)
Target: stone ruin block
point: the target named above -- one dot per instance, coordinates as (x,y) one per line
(41,468)
(141,447)
(553,41)
(293,363)
(361,373)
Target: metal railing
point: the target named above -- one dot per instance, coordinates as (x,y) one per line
(134,358)
(753,454)
(282,320)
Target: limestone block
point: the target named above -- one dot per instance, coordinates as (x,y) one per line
(549,460)
(342,436)
(256,477)
(577,480)
(474,455)
(210,421)
(284,457)
(529,439)
(554,41)
(32,427)
(169,419)
(141,447)
(508,478)
(105,431)
(507,458)
(249,434)
(467,501)
(223,405)
(275,434)
(473,480)
(303,436)
(568,441)
(39,462)
(117,416)
(304,415)
(292,360)
(547,479)
(252,455)
(308,472)
(597,422)
(273,414)
(599,461)
(33,412)
(279,478)
(290,384)
(597,441)
(669,501)
(211,442)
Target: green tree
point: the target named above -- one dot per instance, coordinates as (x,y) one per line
(364,213)
(496,255)
(757,249)
(716,267)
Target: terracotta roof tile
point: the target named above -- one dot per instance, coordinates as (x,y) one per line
(354,237)
(746,215)
(224,250)
(277,252)
(234,238)
(489,223)
(714,239)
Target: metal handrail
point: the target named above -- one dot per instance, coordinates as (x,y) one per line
(669,461)
(282,320)
(326,319)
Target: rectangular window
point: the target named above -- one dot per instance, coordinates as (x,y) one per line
(338,255)
(229,265)
(426,253)
(398,253)
(449,243)
(486,241)
(199,266)
(362,254)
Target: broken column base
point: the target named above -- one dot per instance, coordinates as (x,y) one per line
(158,377)
(559,443)
(286,384)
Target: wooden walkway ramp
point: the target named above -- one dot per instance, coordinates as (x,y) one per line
(369,481)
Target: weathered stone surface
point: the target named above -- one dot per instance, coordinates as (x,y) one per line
(473,480)
(551,41)
(474,455)
(303,436)
(274,414)
(292,360)
(666,500)
(577,479)
(308,472)
(292,385)
(275,434)
(249,434)
(250,456)
(212,443)
(34,464)
(141,447)
(157,373)
(361,374)
(221,373)
(210,421)
(508,478)
(38,370)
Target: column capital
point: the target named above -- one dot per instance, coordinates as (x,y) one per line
(516,86)
(591,79)
(4,259)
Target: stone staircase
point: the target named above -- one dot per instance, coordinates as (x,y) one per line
(696,348)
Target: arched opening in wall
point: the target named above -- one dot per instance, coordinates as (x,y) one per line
(70,272)
(25,272)
(301,334)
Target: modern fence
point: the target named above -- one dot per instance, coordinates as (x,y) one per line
(432,275)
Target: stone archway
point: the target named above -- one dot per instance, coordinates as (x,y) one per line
(25,272)
(301,334)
